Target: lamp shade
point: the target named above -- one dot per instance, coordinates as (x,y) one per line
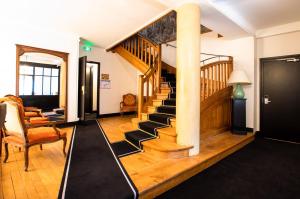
(238,77)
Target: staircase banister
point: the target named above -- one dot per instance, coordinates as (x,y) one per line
(148,40)
(215,63)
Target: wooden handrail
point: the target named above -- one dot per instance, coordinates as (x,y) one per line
(214,77)
(149,54)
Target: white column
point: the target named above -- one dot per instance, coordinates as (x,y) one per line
(188,76)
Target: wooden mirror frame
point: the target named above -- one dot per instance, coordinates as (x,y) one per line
(21,49)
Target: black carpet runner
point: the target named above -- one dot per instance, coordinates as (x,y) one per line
(148,129)
(92,170)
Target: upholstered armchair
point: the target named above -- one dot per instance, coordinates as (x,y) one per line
(18,133)
(128,104)
(28,111)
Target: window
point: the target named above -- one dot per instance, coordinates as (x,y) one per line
(38,79)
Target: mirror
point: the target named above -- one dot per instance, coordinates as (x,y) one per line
(42,81)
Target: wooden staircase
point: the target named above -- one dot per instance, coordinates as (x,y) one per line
(153,90)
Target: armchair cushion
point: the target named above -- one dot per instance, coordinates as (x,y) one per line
(38,135)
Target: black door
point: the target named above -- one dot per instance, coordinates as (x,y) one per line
(81,87)
(280,98)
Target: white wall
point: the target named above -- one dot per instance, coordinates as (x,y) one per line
(12,34)
(243,52)
(122,74)
(272,46)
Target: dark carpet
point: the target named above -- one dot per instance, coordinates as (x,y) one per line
(123,148)
(263,169)
(92,170)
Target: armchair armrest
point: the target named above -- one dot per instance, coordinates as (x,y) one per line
(121,104)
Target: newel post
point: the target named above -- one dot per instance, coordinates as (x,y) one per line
(158,72)
(140,96)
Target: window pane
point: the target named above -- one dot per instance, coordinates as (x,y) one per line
(54,72)
(26,70)
(46,86)
(38,85)
(21,85)
(47,71)
(54,86)
(38,71)
(25,87)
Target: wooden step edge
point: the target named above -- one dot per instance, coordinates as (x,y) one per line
(170,131)
(162,94)
(163,146)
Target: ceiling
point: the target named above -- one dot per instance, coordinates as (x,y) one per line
(260,14)
(105,22)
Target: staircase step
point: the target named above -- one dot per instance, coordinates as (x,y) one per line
(151,109)
(172,84)
(169,102)
(173,122)
(165,90)
(162,96)
(165,149)
(167,134)
(157,102)
(172,95)
(150,127)
(137,136)
(166,109)
(161,118)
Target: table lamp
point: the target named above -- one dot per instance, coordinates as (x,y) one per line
(238,77)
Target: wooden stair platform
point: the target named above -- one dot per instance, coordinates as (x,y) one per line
(168,134)
(165,149)
(155,175)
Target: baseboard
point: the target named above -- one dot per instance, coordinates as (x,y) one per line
(115,114)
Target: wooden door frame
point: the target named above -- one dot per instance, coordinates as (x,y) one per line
(261,86)
(98,86)
(21,49)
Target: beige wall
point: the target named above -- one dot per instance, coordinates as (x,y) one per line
(41,38)
(122,74)
(272,46)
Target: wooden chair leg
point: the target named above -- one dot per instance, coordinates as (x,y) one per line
(26,158)
(41,146)
(1,142)
(64,148)
(6,152)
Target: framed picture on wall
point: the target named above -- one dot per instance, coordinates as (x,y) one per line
(105,84)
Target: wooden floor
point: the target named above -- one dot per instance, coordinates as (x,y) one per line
(44,173)
(151,175)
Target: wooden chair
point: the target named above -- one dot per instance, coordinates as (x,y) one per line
(2,120)
(17,133)
(128,104)
(28,111)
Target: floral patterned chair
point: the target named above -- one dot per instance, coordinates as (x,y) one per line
(129,103)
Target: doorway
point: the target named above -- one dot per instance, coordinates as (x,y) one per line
(280,96)
(89,89)
(41,81)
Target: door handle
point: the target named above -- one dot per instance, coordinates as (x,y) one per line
(266,99)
